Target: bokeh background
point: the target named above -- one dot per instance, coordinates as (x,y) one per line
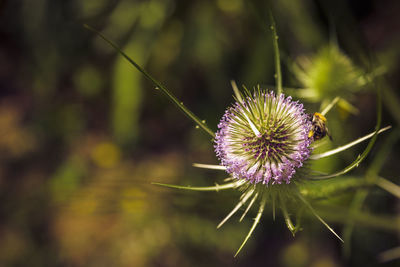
(83,135)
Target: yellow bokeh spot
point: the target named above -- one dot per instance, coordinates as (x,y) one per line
(153,14)
(324,262)
(296,255)
(167,48)
(133,200)
(106,155)
(230,5)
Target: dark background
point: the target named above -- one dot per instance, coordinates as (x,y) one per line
(82,134)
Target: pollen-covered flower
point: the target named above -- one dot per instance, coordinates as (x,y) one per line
(264,138)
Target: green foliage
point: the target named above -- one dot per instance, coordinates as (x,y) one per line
(83,135)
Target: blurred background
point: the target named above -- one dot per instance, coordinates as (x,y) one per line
(83,135)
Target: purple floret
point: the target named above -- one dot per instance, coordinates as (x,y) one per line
(271,155)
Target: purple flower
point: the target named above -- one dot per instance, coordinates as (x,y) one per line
(264,138)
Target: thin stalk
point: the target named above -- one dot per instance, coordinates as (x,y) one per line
(157,84)
(217,187)
(317,216)
(330,106)
(278,74)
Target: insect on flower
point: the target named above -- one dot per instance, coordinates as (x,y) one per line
(264,141)
(264,138)
(319,129)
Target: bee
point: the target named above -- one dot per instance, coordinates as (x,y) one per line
(318,128)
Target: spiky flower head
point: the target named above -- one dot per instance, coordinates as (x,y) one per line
(327,74)
(263,138)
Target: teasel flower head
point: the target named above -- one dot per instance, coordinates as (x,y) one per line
(263,141)
(264,138)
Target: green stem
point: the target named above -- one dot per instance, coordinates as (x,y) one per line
(158,85)
(217,187)
(278,74)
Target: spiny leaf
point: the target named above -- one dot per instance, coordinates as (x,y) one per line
(209,166)
(318,217)
(347,146)
(246,196)
(249,206)
(256,221)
